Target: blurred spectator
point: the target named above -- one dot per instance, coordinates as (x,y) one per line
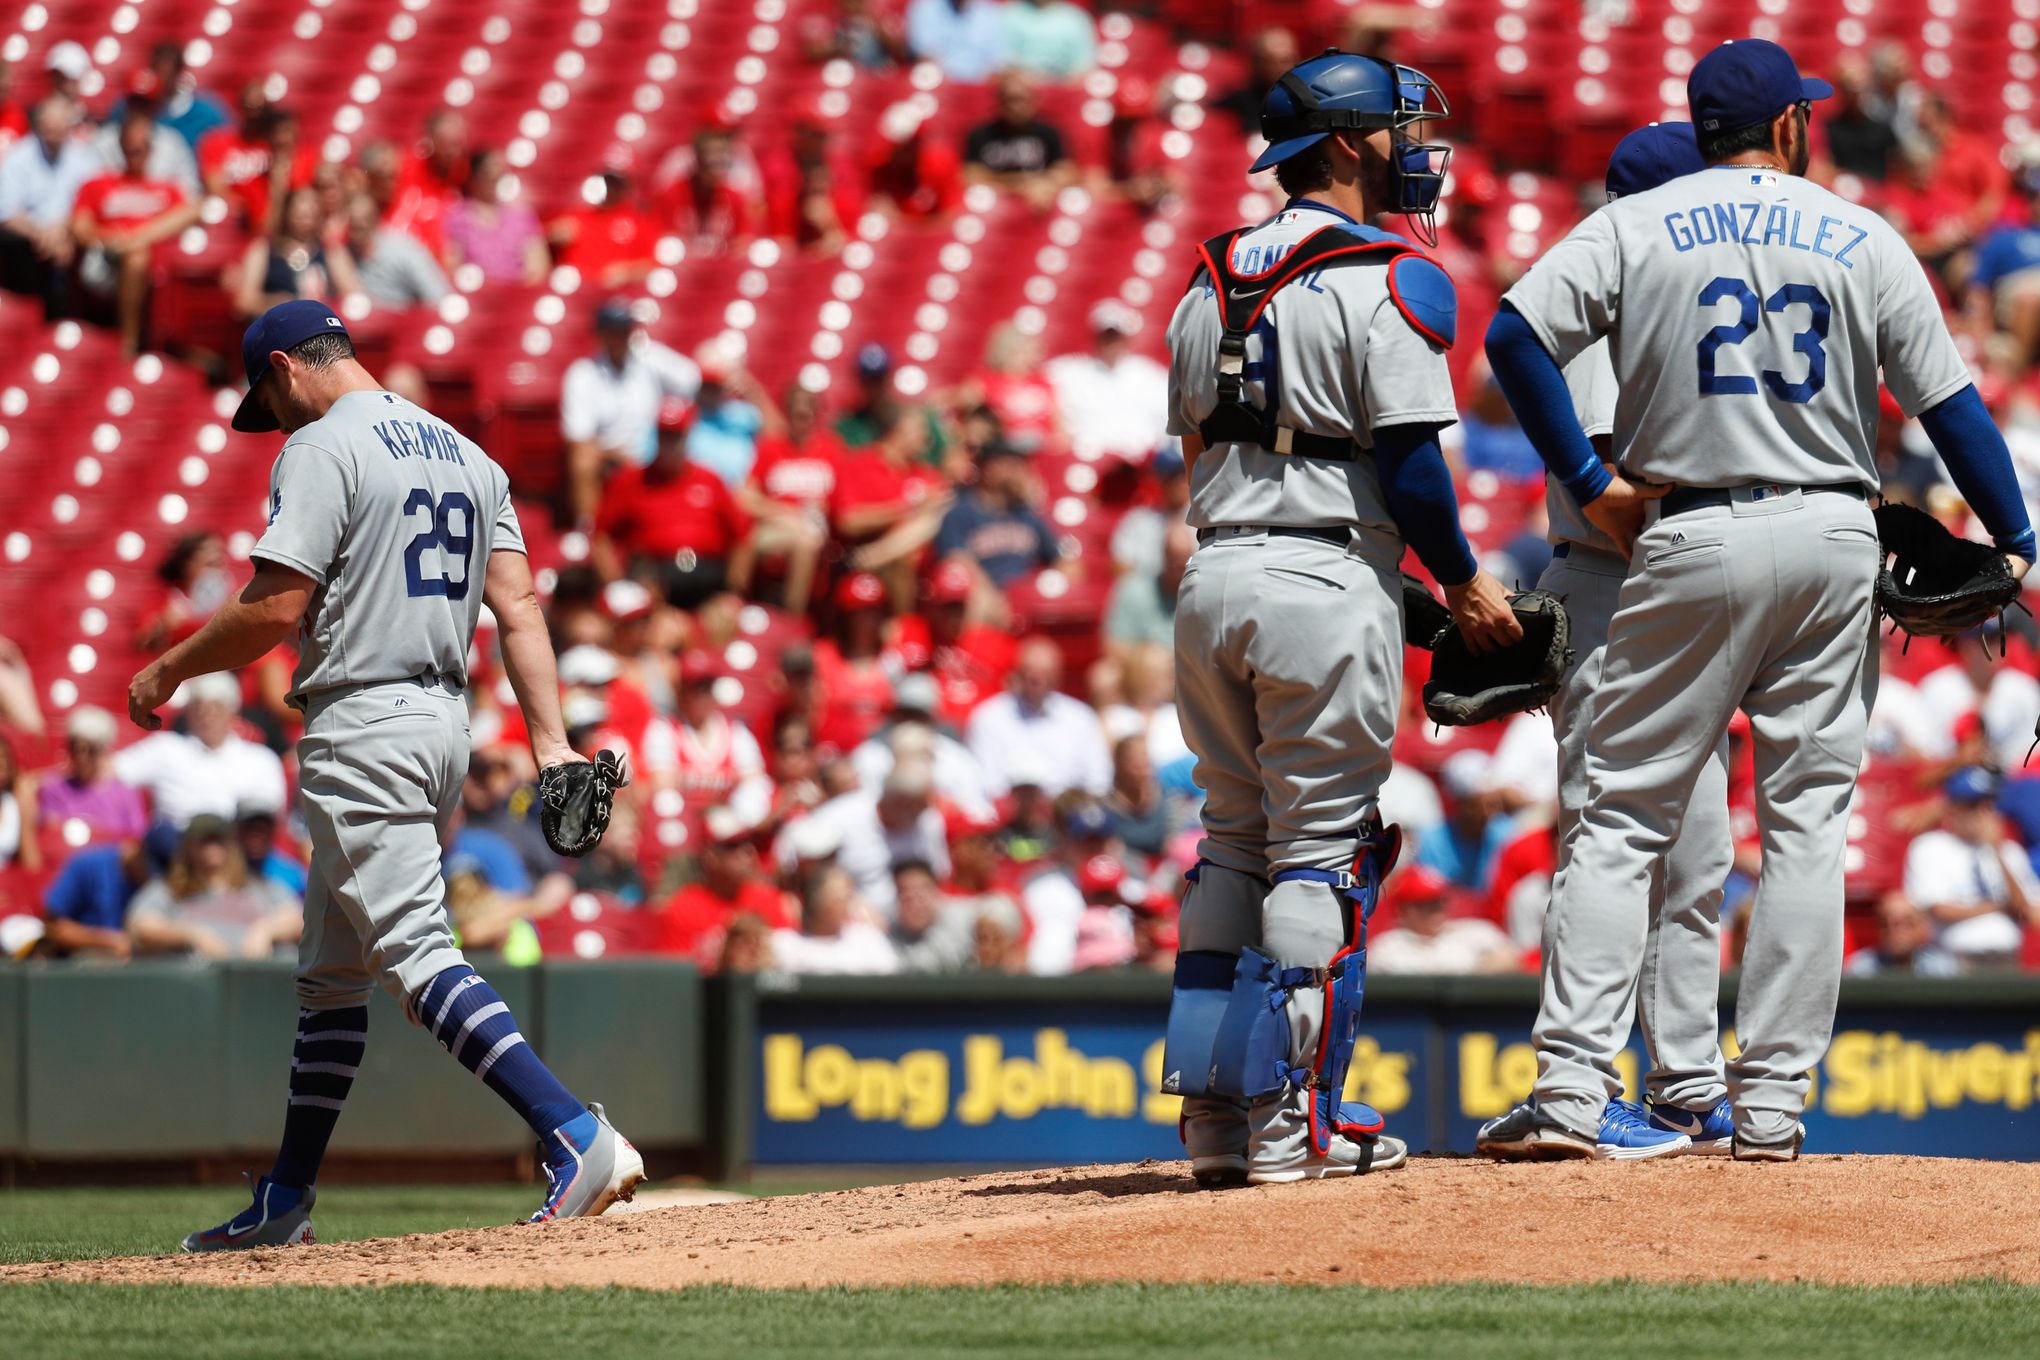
(1893,95)
(888,503)
(703,207)
(18,707)
(978,873)
(878,828)
(1114,402)
(86,790)
(492,230)
(500,798)
(294,261)
(427,183)
(1492,441)
(206,768)
(747,946)
(969,660)
(165,156)
(966,38)
(492,922)
(1033,724)
(856,687)
(714,758)
(813,191)
(39,181)
(1142,609)
(1084,865)
(257,162)
(1012,387)
(1135,798)
(833,939)
(732,883)
(118,223)
(1968,164)
(1973,880)
(1926,207)
(2005,698)
(1155,934)
(1274,51)
(911,736)
(1053,39)
(1139,541)
(196,582)
(255,834)
(880,404)
(13,117)
(994,524)
(395,269)
(1426,940)
(860,32)
(930,933)
(86,905)
(1105,930)
(19,842)
(788,492)
(1475,829)
(1032,831)
(1905,944)
(610,402)
(732,412)
(674,520)
(168,87)
(1137,165)
(2004,283)
(67,64)
(1017,151)
(610,243)
(208,905)
(912,174)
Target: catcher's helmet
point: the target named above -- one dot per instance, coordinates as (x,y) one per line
(1338,91)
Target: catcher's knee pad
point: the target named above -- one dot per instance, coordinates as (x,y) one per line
(1221,915)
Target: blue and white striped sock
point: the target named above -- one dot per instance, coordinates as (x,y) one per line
(471,1022)
(322,1067)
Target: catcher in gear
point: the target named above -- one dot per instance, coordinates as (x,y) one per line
(388,531)
(575,798)
(1308,380)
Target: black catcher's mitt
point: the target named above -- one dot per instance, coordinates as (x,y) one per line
(1465,689)
(575,798)
(1938,585)
(1423,617)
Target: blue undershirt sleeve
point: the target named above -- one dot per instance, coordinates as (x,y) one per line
(1535,387)
(1418,488)
(1970,444)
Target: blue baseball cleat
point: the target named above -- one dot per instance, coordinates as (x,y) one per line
(1627,1136)
(589,1166)
(281,1216)
(1712,1131)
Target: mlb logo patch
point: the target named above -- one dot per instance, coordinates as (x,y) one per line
(1766,491)
(1762,178)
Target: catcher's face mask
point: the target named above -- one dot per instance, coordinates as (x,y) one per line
(1416,169)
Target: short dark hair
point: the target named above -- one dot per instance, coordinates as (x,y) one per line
(322,351)
(1719,146)
(1307,171)
(901,868)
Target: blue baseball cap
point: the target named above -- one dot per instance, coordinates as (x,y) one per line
(1970,785)
(1747,81)
(873,361)
(283,327)
(1654,154)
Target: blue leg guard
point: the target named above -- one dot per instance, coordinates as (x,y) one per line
(1204,981)
(1323,1072)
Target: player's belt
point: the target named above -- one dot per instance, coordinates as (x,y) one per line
(1680,499)
(1338,538)
(1285,441)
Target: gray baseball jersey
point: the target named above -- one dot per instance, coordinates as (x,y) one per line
(1590,378)
(1780,300)
(1342,360)
(394,513)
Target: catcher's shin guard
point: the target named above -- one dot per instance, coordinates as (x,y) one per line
(1275,1034)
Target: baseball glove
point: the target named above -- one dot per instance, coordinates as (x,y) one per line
(1423,617)
(1465,689)
(575,798)
(1935,584)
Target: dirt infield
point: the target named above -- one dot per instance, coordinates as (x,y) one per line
(1868,1220)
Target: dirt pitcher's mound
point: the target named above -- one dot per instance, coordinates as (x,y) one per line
(1872,1220)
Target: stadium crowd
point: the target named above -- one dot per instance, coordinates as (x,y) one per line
(807,615)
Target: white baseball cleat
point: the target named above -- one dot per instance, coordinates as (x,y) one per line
(589,1166)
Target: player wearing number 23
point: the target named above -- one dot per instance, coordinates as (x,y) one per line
(1748,314)
(387,533)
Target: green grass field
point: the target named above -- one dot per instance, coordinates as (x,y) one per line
(1979,1319)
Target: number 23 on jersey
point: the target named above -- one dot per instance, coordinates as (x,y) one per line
(1749,319)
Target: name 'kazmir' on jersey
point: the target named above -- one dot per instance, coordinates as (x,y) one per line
(394,513)
(1748,314)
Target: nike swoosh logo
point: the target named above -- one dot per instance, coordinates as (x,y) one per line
(1241,296)
(1689,1124)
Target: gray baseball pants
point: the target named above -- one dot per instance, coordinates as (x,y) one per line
(1680,982)
(1289,683)
(1763,604)
(380,767)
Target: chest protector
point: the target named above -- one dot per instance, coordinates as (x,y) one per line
(1241,300)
